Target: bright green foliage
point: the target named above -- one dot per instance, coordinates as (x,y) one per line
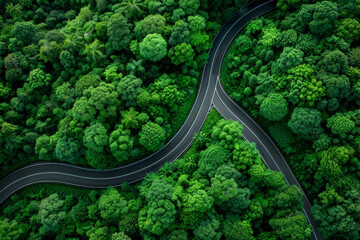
(152,136)
(38,78)
(153,47)
(227,133)
(195,206)
(189,6)
(348,29)
(94,51)
(50,52)
(130,119)
(196,23)
(112,75)
(143,99)
(10,230)
(95,137)
(245,155)
(334,62)
(68,149)
(269,36)
(254,26)
(120,236)
(289,58)
(24,31)
(223,189)
(332,161)
(255,210)
(14,10)
(5,91)
(293,226)
(121,143)
(86,47)
(340,124)
(166,205)
(179,33)
(44,147)
(85,82)
(305,89)
(200,41)
(112,205)
(150,24)
(212,158)
(181,53)
(160,212)
(160,215)
(256,173)
(128,89)
(51,215)
(159,190)
(8,128)
(208,229)
(274,107)
(119,32)
(171,96)
(98,233)
(238,230)
(329,197)
(103,98)
(101,30)
(306,121)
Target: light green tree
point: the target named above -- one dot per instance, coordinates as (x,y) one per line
(153,47)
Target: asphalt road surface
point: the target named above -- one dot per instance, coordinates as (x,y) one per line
(210,95)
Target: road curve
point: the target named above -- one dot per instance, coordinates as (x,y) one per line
(210,94)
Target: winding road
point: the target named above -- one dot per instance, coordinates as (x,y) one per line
(210,95)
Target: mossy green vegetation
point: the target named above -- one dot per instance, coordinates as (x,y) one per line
(99,83)
(296,72)
(206,194)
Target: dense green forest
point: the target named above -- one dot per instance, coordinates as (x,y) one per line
(99,83)
(194,197)
(297,72)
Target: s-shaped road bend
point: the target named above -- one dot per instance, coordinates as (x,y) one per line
(210,95)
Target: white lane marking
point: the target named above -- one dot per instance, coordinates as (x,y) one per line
(239,120)
(212,64)
(272,142)
(307,217)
